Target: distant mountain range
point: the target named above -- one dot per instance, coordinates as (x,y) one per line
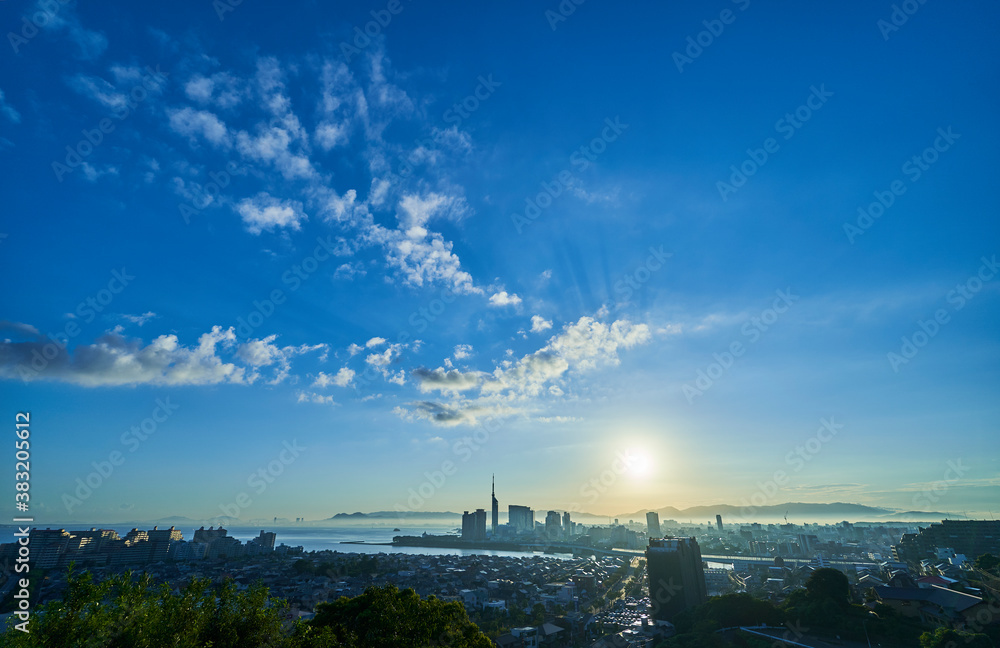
(797,512)
(395,515)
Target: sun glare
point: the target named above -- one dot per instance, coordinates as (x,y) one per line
(640,463)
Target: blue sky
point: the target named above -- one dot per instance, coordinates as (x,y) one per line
(500,239)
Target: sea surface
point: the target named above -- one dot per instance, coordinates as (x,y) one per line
(324,538)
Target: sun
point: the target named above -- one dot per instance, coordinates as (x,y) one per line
(640,463)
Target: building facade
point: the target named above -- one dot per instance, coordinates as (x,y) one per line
(676,576)
(653,524)
(521,518)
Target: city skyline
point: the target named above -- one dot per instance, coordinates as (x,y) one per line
(263,261)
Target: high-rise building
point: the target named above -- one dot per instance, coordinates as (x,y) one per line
(520,518)
(160,541)
(676,576)
(552,525)
(718,522)
(567,524)
(969,537)
(208,535)
(496,507)
(468,526)
(265,540)
(480,535)
(474,526)
(653,524)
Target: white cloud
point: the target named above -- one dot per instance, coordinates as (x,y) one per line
(386,357)
(374,342)
(382,92)
(416,210)
(539,324)
(133,75)
(453,139)
(199,88)
(379,192)
(99,91)
(462,351)
(557,419)
(331,135)
(349,271)
(192,123)
(529,375)
(381,362)
(221,89)
(452,415)
(424,257)
(339,208)
(670,328)
(582,346)
(271,86)
(589,342)
(452,381)
(263,352)
(354,349)
(114,360)
(273,144)
(265,212)
(91,173)
(139,319)
(502,299)
(269,135)
(24,330)
(342,378)
(318,399)
(591,197)
(260,353)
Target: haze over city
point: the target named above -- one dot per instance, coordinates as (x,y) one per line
(253,250)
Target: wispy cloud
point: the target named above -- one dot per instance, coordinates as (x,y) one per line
(580,347)
(90,44)
(8,111)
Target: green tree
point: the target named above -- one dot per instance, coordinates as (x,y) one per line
(537,614)
(303,566)
(987,562)
(386,617)
(727,611)
(696,640)
(829,584)
(128,611)
(948,638)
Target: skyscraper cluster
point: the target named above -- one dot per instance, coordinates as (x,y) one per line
(520,520)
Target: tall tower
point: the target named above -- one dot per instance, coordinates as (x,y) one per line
(496,507)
